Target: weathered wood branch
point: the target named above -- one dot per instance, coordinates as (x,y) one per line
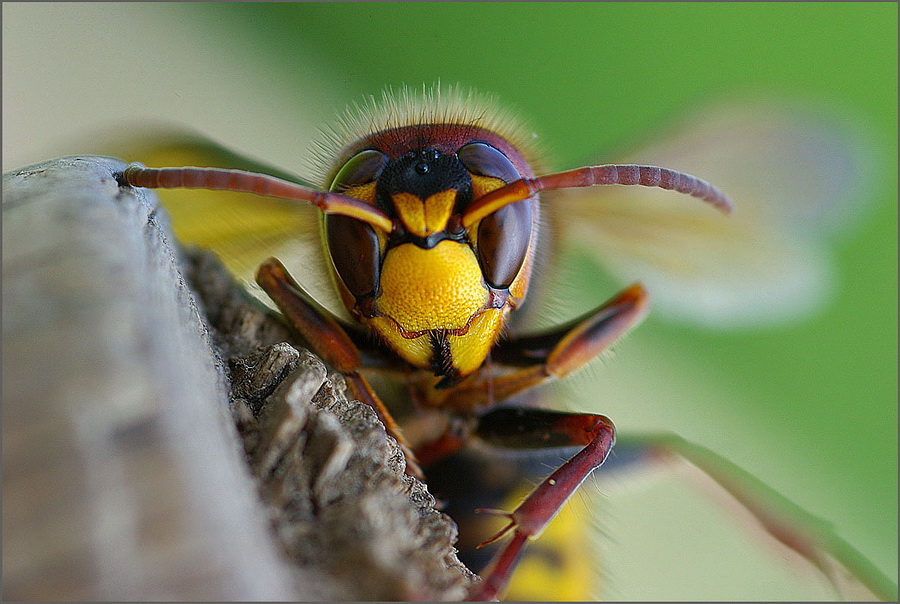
(162,439)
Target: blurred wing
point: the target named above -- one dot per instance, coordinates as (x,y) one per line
(794,179)
(242,229)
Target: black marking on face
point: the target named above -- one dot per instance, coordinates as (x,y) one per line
(442,359)
(423,173)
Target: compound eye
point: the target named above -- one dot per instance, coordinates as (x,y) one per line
(485,160)
(363,168)
(353,246)
(503,240)
(504,236)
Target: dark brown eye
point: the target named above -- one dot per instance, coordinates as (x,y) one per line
(363,168)
(353,245)
(503,239)
(503,236)
(485,160)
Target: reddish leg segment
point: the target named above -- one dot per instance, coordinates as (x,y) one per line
(552,354)
(569,346)
(515,427)
(321,331)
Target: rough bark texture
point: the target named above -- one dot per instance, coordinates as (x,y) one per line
(156,450)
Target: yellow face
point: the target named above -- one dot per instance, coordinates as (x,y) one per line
(435,293)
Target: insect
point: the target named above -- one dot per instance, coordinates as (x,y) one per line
(431,211)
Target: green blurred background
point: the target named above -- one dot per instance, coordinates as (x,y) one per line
(809,407)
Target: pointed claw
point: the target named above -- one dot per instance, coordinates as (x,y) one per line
(492,512)
(503,531)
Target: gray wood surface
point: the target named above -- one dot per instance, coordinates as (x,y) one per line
(131,467)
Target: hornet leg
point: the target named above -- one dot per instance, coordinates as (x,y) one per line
(536,428)
(551,355)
